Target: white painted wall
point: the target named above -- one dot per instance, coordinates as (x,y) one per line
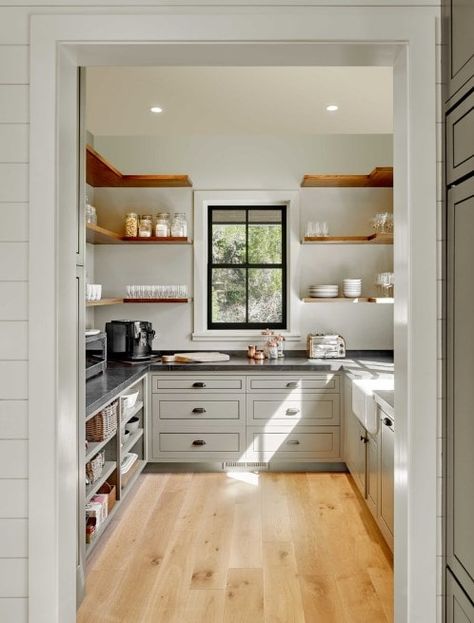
(249,162)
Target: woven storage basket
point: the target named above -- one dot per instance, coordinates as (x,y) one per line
(102,425)
(94,467)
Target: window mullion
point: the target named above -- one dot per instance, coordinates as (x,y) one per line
(246,268)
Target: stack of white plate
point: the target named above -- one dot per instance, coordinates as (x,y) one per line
(323,292)
(352,288)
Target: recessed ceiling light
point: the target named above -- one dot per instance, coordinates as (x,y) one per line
(332,108)
(156,109)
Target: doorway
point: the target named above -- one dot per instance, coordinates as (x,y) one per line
(412,390)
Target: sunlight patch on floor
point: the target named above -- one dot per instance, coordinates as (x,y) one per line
(250,478)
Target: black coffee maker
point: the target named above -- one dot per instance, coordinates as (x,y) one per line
(129,340)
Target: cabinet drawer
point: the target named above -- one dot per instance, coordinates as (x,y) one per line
(202,383)
(460,140)
(179,407)
(199,442)
(317,382)
(306,442)
(319,409)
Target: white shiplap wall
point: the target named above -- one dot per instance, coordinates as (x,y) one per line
(14,24)
(13,314)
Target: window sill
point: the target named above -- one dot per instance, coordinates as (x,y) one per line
(238,336)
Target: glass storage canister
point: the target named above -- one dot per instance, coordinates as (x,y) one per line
(91,213)
(163,224)
(131,225)
(179,225)
(145,227)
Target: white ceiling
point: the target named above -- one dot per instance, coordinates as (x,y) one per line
(243,100)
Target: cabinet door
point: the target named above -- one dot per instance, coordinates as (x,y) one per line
(386,502)
(355,436)
(460,387)
(458,607)
(460,45)
(373,473)
(460,140)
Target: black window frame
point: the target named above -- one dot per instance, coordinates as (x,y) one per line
(229,326)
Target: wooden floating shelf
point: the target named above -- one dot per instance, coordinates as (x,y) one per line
(101,174)
(380,177)
(100,235)
(101,302)
(360,299)
(177,300)
(370,239)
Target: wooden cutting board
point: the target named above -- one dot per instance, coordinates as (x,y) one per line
(200,357)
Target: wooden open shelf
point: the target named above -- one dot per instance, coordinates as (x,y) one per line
(380,177)
(360,299)
(100,235)
(109,301)
(370,239)
(185,300)
(101,174)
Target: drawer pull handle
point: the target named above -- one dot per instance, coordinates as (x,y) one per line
(388,422)
(199,384)
(199,442)
(292,411)
(292,384)
(199,410)
(293,442)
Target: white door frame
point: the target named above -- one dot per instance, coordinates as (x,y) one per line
(61,42)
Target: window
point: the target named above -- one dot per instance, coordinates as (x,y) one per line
(246,267)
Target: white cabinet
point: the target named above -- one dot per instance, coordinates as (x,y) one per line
(386,490)
(371,463)
(259,417)
(459,609)
(373,474)
(355,441)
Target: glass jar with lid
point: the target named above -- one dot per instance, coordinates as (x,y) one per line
(163,227)
(179,225)
(145,226)
(131,225)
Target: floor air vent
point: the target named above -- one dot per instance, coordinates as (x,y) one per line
(241,466)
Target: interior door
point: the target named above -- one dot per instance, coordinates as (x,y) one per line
(460,407)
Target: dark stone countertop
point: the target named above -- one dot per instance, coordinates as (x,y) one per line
(105,387)
(295,361)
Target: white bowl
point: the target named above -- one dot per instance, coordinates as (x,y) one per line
(132,425)
(128,401)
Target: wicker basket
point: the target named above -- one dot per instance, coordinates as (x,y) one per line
(94,467)
(102,425)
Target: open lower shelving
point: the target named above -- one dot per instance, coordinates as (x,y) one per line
(94,447)
(360,299)
(100,235)
(90,546)
(107,470)
(129,443)
(369,239)
(129,479)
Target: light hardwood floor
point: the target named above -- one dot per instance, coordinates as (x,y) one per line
(213,548)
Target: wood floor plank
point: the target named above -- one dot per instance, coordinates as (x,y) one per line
(246,548)
(205,606)
(321,601)
(359,598)
(275,515)
(213,548)
(283,598)
(213,543)
(244,596)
